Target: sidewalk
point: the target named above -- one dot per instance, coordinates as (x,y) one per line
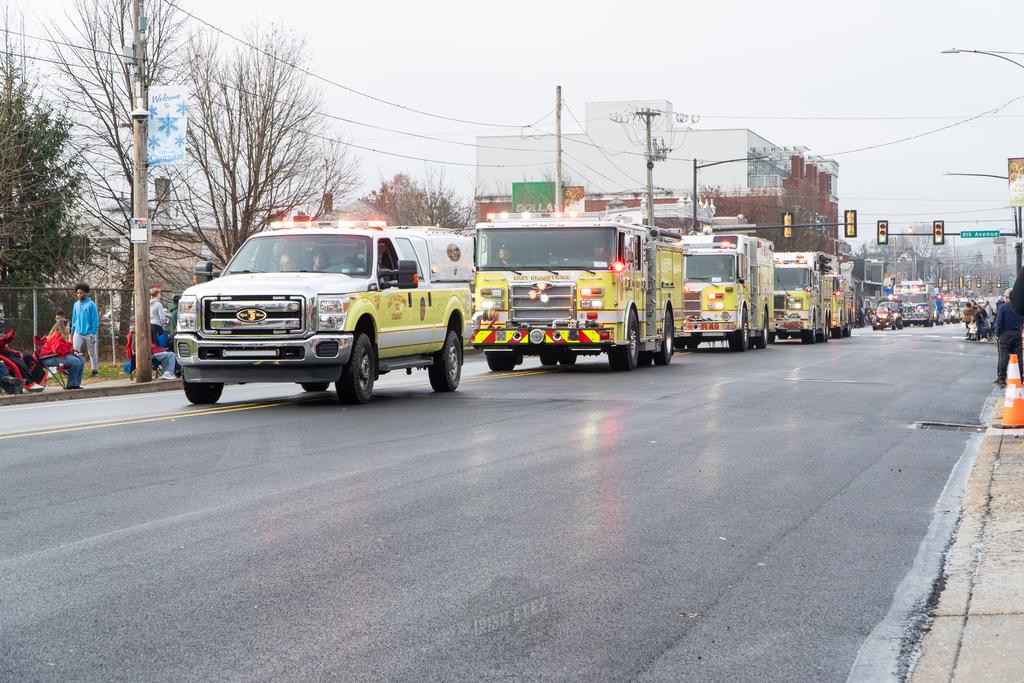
(112,387)
(978,628)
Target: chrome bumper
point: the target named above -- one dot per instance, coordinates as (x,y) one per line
(294,360)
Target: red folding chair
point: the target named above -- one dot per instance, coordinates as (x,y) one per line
(58,372)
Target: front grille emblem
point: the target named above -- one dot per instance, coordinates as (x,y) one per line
(251,315)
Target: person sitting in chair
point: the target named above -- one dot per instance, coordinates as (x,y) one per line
(163,360)
(58,350)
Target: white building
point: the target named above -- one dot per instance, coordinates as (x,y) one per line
(608,158)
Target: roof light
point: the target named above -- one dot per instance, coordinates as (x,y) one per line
(574,214)
(525,215)
(504,215)
(618,266)
(491,216)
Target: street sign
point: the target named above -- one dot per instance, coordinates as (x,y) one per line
(139,230)
(979,233)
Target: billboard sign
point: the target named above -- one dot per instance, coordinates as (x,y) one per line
(1015,174)
(539,197)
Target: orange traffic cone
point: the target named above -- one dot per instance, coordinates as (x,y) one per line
(1013,404)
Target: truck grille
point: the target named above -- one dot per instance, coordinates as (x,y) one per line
(560,304)
(780,302)
(253,316)
(691,303)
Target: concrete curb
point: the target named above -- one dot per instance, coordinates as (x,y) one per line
(98,392)
(977,629)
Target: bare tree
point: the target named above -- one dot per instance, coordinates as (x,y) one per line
(258,145)
(96,85)
(431,201)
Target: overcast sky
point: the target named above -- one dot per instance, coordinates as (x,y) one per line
(784,69)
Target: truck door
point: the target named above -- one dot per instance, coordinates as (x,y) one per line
(424,305)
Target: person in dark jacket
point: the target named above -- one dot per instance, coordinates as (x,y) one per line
(1008,329)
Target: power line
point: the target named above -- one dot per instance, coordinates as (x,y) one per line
(342,86)
(599,148)
(929,132)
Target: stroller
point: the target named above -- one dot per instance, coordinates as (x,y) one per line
(26,367)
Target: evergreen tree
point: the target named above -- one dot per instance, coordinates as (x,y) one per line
(39,182)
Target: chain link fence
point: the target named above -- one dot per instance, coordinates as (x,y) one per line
(30,311)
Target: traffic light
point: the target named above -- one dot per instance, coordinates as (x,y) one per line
(882,234)
(938,232)
(850,219)
(787,222)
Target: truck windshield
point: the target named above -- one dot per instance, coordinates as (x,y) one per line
(788,279)
(545,248)
(711,267)
(343,254)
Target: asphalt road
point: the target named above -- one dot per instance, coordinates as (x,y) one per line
(731,516)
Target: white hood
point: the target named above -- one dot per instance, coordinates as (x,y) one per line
(264,284)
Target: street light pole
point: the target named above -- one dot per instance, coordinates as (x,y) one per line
(1018,228)
(697,166)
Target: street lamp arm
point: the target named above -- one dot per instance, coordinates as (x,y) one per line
(980,175)
(728,161)
(955,51)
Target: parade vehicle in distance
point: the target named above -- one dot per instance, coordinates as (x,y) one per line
(888,315)
(918,302)
(803,295)
(566,285)
(322,302)
(843,306)
(730,282)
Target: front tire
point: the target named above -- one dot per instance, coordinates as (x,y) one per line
(739,340)
(446,371)
(807,336)
(663,356)
(356,383)
(504,361)
(626,357)
(199,393)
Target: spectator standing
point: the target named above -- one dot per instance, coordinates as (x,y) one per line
(157,313)
(58,350)
(1008,329)
(85,325)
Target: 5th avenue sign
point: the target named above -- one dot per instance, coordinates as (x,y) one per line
(979,233)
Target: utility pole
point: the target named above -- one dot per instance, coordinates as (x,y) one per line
(648,116)
(140,208)
(1018,230)
(558,149)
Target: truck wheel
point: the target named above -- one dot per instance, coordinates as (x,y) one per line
(356,382)
(505,361)
(446,371)
(663,356)
(771,337)
(740,339)
(315,386)
(567,358)
(199,393)
(627,357)
(548,358)
(761,342)
(807,336)
(691,345)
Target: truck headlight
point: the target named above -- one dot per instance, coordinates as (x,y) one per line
(188,310)
(796,303)
(332,311)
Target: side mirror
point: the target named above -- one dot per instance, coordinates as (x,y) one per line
(408,275)
(203,272)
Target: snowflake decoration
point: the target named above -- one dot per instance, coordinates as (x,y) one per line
(182,108)
(168,125)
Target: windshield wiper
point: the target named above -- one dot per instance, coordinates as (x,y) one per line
(242,272)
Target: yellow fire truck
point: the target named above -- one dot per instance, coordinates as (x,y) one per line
(730,280)
(842,305)
(803,296)
(560,288)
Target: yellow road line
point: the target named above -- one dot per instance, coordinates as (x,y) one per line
(140,420)
(509,375)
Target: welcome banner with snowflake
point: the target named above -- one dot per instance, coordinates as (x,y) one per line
(168,116)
